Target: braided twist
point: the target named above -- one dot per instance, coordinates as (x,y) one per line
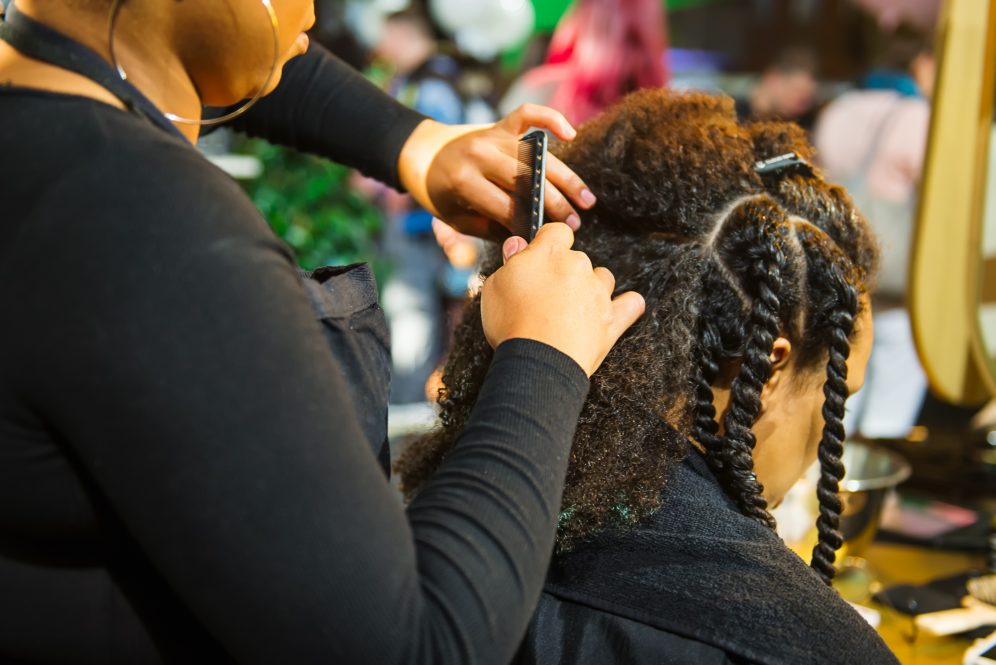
(706,428)
(832,444)
(760,244)
(838,322)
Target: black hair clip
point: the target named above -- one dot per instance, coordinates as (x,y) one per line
(781,162)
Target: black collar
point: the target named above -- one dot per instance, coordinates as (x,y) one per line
(700,569)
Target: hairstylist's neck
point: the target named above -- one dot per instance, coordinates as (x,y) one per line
(143,46)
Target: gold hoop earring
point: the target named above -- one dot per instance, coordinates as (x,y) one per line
(272,15)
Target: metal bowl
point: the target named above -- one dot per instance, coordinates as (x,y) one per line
(872,472)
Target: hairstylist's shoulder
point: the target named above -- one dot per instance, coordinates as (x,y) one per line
(140,242)
(146,217)
(151,192)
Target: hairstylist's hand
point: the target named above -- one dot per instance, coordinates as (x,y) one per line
(550,293)
(464,174)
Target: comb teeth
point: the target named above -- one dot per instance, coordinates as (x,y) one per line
(522,214)
(530,176)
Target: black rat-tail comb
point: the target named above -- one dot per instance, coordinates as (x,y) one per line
(530,179)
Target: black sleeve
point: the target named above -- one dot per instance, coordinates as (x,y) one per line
(178,357)
(325,107)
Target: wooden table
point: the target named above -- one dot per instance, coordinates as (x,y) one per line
(902,564)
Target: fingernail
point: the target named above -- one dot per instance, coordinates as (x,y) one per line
(573,221)
(587,197)
(510,247)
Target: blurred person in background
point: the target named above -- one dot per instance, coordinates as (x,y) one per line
(785,91)
(601,50)
(423,78)
(872,140)
(427,81)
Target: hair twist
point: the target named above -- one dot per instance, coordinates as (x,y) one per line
(752,243)
(706,428)
(836,321)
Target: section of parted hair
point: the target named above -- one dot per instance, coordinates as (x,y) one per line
(682,218)
(750,251)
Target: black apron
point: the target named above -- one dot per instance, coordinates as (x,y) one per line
(344,299)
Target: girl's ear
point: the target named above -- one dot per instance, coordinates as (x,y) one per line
(781,359)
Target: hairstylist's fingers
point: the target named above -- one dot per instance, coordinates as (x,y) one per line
(542,117)
(582,262)
(473,224)
(553,236)
(606,277)
(445,234)
(626,309)
(501,167)
(563,186)
(511,247)
(550,293)
(569,182)
(488,200)
(558,209)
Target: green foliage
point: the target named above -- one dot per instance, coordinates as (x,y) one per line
(308,203)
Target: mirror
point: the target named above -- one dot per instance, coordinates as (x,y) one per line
(952,297)
(985,338)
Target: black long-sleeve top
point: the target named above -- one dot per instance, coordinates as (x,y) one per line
(182,476)
(325,107)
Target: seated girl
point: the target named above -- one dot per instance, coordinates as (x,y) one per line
(756,274)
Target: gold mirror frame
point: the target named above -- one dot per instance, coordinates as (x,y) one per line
(946,273)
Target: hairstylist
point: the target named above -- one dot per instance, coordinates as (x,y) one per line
(187,473)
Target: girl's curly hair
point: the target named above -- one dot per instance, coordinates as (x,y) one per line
(727,259)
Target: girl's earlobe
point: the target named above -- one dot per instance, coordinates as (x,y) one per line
(781,351)
(780,357)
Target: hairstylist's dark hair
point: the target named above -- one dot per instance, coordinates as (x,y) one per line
(415,17)
(902,46)
(795,58)
(727,260)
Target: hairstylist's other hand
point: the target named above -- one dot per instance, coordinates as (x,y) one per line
(550,293)
(464,174)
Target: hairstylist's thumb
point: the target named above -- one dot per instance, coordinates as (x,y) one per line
(627,308)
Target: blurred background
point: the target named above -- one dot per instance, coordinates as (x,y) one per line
(897,96)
